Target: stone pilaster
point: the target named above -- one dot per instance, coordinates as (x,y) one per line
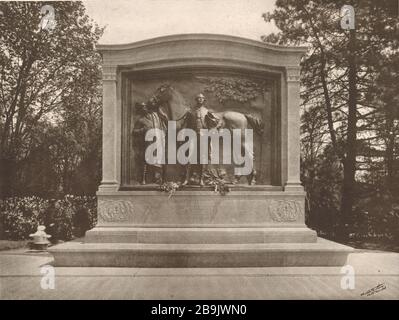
(293,182)
(110,181)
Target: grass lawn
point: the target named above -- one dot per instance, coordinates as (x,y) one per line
(10,244)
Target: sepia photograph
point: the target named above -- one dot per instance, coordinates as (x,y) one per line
(199,150)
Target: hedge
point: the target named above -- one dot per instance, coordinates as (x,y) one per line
(65,218)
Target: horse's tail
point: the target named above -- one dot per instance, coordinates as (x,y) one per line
(256,123)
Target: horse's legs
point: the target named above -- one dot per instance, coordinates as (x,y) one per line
(163,174)
(252,176)
(187,176)
(236,155)
(239,121)
(143,182)
(201,182)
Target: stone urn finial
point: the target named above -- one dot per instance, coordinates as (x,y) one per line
(40,238)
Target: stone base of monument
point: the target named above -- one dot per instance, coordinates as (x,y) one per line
(200,229)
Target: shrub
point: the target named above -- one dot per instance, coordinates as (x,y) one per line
(64,218)
(20,216)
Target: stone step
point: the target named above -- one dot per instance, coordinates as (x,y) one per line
(199,235)
(320,253)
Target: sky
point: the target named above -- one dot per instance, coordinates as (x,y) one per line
(134,20)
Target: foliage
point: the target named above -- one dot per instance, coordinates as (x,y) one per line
(170,187)
(376,211)
(376,214)
(64,218)
(20,216)
(217,179)
(344,146)
(50,98)
(234,88)
(322,176)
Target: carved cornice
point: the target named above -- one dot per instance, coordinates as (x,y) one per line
(201,37)
(202,48)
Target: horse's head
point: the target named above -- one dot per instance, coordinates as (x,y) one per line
(172,100)
(164,93)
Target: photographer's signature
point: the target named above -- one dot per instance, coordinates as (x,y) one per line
(374,290)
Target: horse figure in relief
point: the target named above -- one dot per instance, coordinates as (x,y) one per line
(177,110)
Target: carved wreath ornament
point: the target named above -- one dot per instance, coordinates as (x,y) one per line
(284,210)
(114,210)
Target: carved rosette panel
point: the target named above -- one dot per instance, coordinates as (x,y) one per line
(114,210)
(285,210)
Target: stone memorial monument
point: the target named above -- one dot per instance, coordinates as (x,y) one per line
(220,82)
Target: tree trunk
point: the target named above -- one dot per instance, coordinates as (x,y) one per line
(389,151)
(348,187)
(7,177)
